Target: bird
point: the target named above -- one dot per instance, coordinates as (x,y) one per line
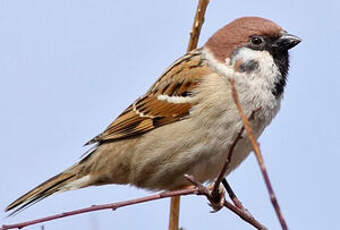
(187,121)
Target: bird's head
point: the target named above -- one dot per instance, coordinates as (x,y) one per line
(252,40)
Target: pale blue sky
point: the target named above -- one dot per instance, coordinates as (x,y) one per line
(69,67)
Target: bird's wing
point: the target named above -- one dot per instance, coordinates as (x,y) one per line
(168,100)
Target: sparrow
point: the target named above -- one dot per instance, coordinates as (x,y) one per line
(187,120)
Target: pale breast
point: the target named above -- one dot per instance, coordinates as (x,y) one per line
(197,146)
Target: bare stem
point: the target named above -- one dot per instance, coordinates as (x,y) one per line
(199,189)
(242,213)
(194,36)
(259,157)
(198,22)
(226,165)
(215,192)
(174,213)
(232,195)
(112,206)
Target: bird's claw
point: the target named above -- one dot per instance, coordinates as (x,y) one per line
(217,202)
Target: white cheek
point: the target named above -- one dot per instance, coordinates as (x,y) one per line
(261,81)
(255,87)
(267,70)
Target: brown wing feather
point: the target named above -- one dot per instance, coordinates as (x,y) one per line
(148,112)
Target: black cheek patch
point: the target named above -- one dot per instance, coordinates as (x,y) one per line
(248,66)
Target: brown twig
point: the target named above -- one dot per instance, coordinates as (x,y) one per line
(220,177)
(199,189)
(198,22)
(259,157)
(174,213)
(245,216)
(194,36)
(215,192)
(242,213)
(113,207)
(232,195)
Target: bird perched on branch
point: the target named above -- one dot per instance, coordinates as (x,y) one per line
(188,120)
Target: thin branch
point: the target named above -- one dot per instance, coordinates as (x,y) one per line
(194,36)
(227,162)
(245,216)
(226,165)
(174,213)
(199,189)
(242,213)
(112,206)
(259,157)
(198,22)
(232,195)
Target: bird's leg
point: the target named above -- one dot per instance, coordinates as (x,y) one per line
(216,202)
(233,196)
(217,199)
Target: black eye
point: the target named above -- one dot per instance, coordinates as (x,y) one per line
(256,40)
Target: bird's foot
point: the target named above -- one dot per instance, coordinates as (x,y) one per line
(217,199)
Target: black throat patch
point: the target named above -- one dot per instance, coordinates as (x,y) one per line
(282,62)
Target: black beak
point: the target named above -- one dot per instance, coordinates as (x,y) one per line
(286,42)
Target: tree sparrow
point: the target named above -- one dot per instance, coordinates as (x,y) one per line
(187,120)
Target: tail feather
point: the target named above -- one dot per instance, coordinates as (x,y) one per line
(49,187)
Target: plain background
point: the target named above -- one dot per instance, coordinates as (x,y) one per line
(69,67)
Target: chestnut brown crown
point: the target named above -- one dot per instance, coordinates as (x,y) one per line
(237,34)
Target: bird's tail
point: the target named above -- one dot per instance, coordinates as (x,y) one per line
(67,180)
